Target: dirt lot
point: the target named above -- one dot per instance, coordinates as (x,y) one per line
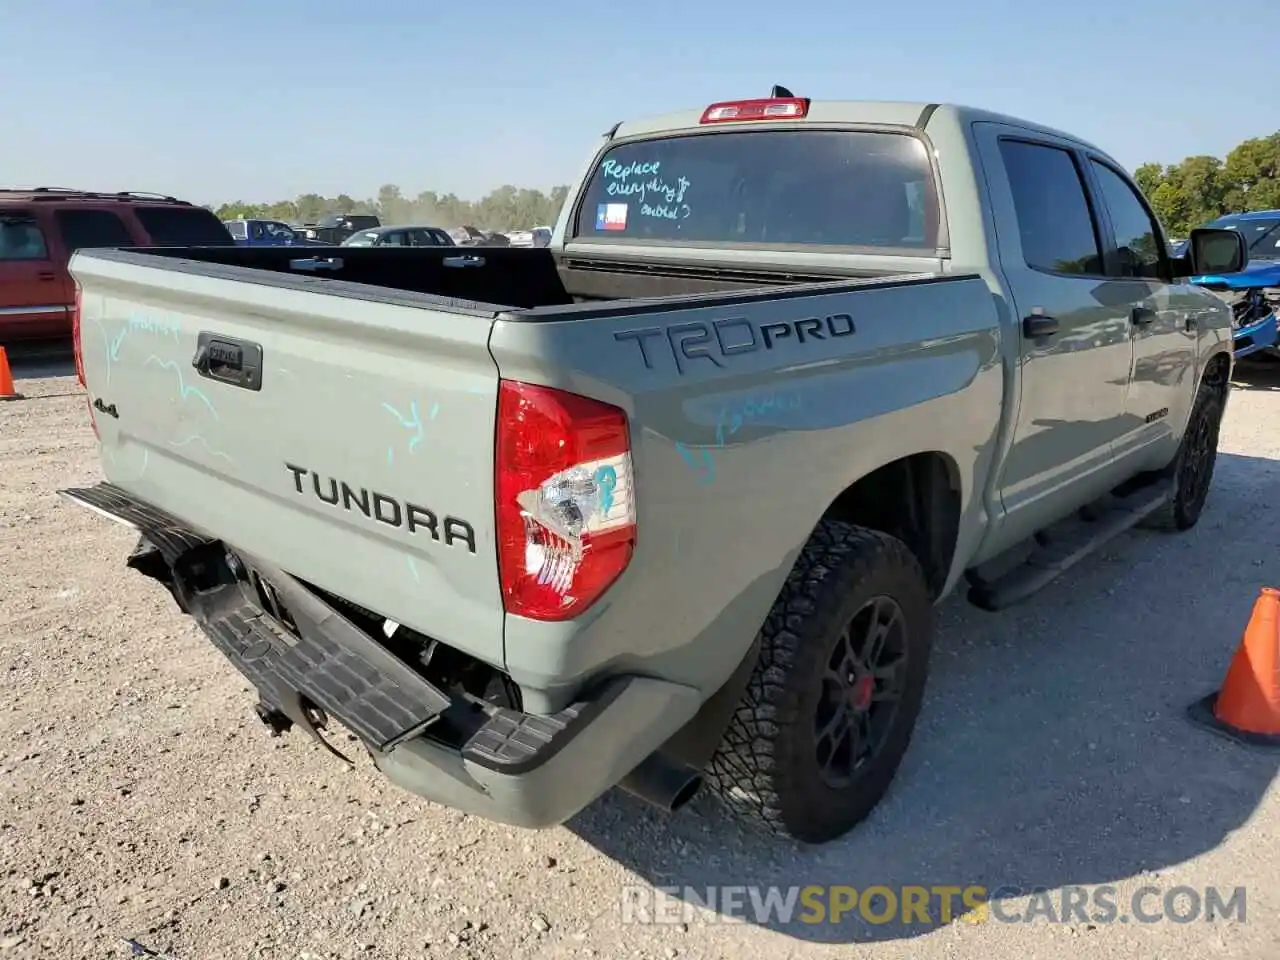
(142,800)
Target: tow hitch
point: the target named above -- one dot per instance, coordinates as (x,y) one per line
(276,721)
(302,714)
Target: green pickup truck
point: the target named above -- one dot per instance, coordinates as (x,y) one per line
(671,501)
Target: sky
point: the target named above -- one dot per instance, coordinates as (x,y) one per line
(262,100)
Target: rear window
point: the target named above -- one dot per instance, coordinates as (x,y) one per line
(787,187)
(91,228)
(182,226)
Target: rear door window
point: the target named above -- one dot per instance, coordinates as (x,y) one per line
(182,226)
(1055,221)
(21,237)
(237,230)
(91,228)
(777,187)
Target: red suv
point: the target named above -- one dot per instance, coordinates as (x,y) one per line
(42,227)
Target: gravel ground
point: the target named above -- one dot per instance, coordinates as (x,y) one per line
(142,800)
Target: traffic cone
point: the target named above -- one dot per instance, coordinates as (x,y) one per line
(7,391)
(1247,708)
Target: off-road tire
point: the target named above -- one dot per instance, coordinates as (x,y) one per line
(1192,467)
(766,768)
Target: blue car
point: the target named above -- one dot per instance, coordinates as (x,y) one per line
(267,233)
(1255,324)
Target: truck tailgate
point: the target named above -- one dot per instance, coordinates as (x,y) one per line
(346,437)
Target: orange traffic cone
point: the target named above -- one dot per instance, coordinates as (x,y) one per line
(7,391)
(1247,708)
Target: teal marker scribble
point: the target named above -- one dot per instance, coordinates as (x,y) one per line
(606,479)
(161,327)
(184,390)
(113,346)
(413,422)
(705,468)
(196,438)
(170,329)
(733,418)
(146,459)
(754,410)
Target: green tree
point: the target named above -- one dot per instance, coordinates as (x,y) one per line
(506,208)
(1202,188)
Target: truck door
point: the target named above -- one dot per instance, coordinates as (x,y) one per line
(1075,345)
(33,286)
(1161,383)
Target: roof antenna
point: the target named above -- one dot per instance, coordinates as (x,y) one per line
(780,92)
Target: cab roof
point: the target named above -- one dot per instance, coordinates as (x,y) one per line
(909,114)
(73,195)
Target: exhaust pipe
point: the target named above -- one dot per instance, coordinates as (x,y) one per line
(663,782)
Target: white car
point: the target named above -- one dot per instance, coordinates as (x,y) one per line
(536,237)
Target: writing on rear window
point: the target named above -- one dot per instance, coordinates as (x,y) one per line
(777,187)
(656,195)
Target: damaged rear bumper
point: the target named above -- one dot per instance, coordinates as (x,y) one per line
(309,662)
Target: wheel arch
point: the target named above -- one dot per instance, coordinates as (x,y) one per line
(1217,371)
(918,499)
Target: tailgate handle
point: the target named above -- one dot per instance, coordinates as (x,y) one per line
(467,261)
(316,263)
(237,363)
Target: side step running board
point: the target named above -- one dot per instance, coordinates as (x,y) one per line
(1055,556)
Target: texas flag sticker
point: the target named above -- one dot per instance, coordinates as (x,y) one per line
(611,216)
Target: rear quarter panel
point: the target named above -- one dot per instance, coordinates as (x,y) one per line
(739,453)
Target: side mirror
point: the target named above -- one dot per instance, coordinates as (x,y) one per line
(1214,252)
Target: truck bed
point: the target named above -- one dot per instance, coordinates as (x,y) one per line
(490,278)
(333,411)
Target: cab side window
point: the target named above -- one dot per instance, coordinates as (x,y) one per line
(83,229)
(21,238)
(1055,221)
(1137,233)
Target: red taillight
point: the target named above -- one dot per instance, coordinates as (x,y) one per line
(772,108)
(565,500)
(75,334)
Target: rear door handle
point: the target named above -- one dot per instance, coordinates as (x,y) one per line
(1038,325)
(1141,316)
(47,275)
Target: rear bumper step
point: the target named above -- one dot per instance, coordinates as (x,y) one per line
(320,655)
(302,653)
